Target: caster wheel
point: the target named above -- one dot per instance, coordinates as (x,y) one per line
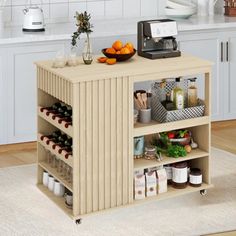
(78,221)
(203,192)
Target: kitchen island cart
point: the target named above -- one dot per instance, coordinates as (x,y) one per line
(103,129)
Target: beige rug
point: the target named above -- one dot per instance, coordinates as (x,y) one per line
(24,210)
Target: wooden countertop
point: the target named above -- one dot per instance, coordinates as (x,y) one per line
(135,67)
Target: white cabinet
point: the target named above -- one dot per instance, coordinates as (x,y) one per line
(219,47)
(20,82)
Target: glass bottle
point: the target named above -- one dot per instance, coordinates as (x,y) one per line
(178,95)
(168,104)
(87,52)
(192,93)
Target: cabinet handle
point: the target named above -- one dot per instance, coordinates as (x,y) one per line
(227,51)
(221,51)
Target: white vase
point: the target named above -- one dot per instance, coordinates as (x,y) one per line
(202,7)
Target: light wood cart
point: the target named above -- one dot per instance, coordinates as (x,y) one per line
(102,100)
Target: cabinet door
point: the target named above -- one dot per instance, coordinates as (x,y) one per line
(22,96)
(230,84)
(207,46)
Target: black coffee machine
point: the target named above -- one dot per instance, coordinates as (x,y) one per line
(156,39)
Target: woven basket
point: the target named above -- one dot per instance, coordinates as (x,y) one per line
(159,113)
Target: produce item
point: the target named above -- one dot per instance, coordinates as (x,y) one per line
(171,135)
(102,59)
(176,151)
(151,184)
(188,148)
(117,45)
(180,175)
(195,177)
(139,187)
(192,93)
(178,95)
(125,51)
(111,50)
(130,46)
(161,181)
(111,61)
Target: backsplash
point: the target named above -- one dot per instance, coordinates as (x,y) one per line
(64,10)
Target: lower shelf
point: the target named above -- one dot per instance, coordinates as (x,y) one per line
(172,192)
(55,174)
(59,201)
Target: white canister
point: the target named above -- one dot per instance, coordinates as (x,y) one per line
(59,189)
(51,182)
(45,178)
(202,7)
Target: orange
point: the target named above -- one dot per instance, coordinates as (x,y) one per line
(111,50)
(130,46)
(111,61)
(102,59)
(117,45)
(117,52)
(124,51)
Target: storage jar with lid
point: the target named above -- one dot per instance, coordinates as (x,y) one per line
(180,175)
(195,177)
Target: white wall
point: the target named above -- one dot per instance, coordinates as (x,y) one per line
(64,10)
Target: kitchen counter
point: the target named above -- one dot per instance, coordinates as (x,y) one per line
(106,28)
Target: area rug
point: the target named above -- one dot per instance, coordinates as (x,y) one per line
(24,210)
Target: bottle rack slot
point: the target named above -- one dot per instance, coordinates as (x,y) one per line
(54,149)
(64,126)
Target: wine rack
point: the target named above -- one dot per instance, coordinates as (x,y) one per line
(103,128)
(68,129)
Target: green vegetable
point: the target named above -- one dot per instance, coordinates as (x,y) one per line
(176,151)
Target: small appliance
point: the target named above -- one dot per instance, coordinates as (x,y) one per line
(156,39)
(33,18)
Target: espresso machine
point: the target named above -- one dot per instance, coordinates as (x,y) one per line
(156,39)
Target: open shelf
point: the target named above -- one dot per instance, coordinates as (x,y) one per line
(55,174)
(156,127)
(144,164)
(68,131)
(59,201)
(173,192)
(68,161)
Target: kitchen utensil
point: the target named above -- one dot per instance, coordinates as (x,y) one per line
(144,99)
(140,100)
(33,18)
(119,57)
(145,116)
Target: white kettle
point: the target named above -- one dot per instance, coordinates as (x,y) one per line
(33,18)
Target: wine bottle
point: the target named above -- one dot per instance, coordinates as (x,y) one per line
(67,124)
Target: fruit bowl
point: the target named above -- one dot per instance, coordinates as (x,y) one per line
(180,141)
(119,57)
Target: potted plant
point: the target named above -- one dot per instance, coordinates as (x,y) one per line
(83,26)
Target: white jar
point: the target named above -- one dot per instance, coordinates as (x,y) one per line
(59,189)
(51,182)
(45,179)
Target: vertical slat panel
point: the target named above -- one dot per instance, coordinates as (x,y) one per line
(76,151)
(130,141)
(125,139)
(54,86)
(89,146)
(51,83)
(82,162)
(107,143)
(119,135)
(95,137)
(113,132)
(101,146)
